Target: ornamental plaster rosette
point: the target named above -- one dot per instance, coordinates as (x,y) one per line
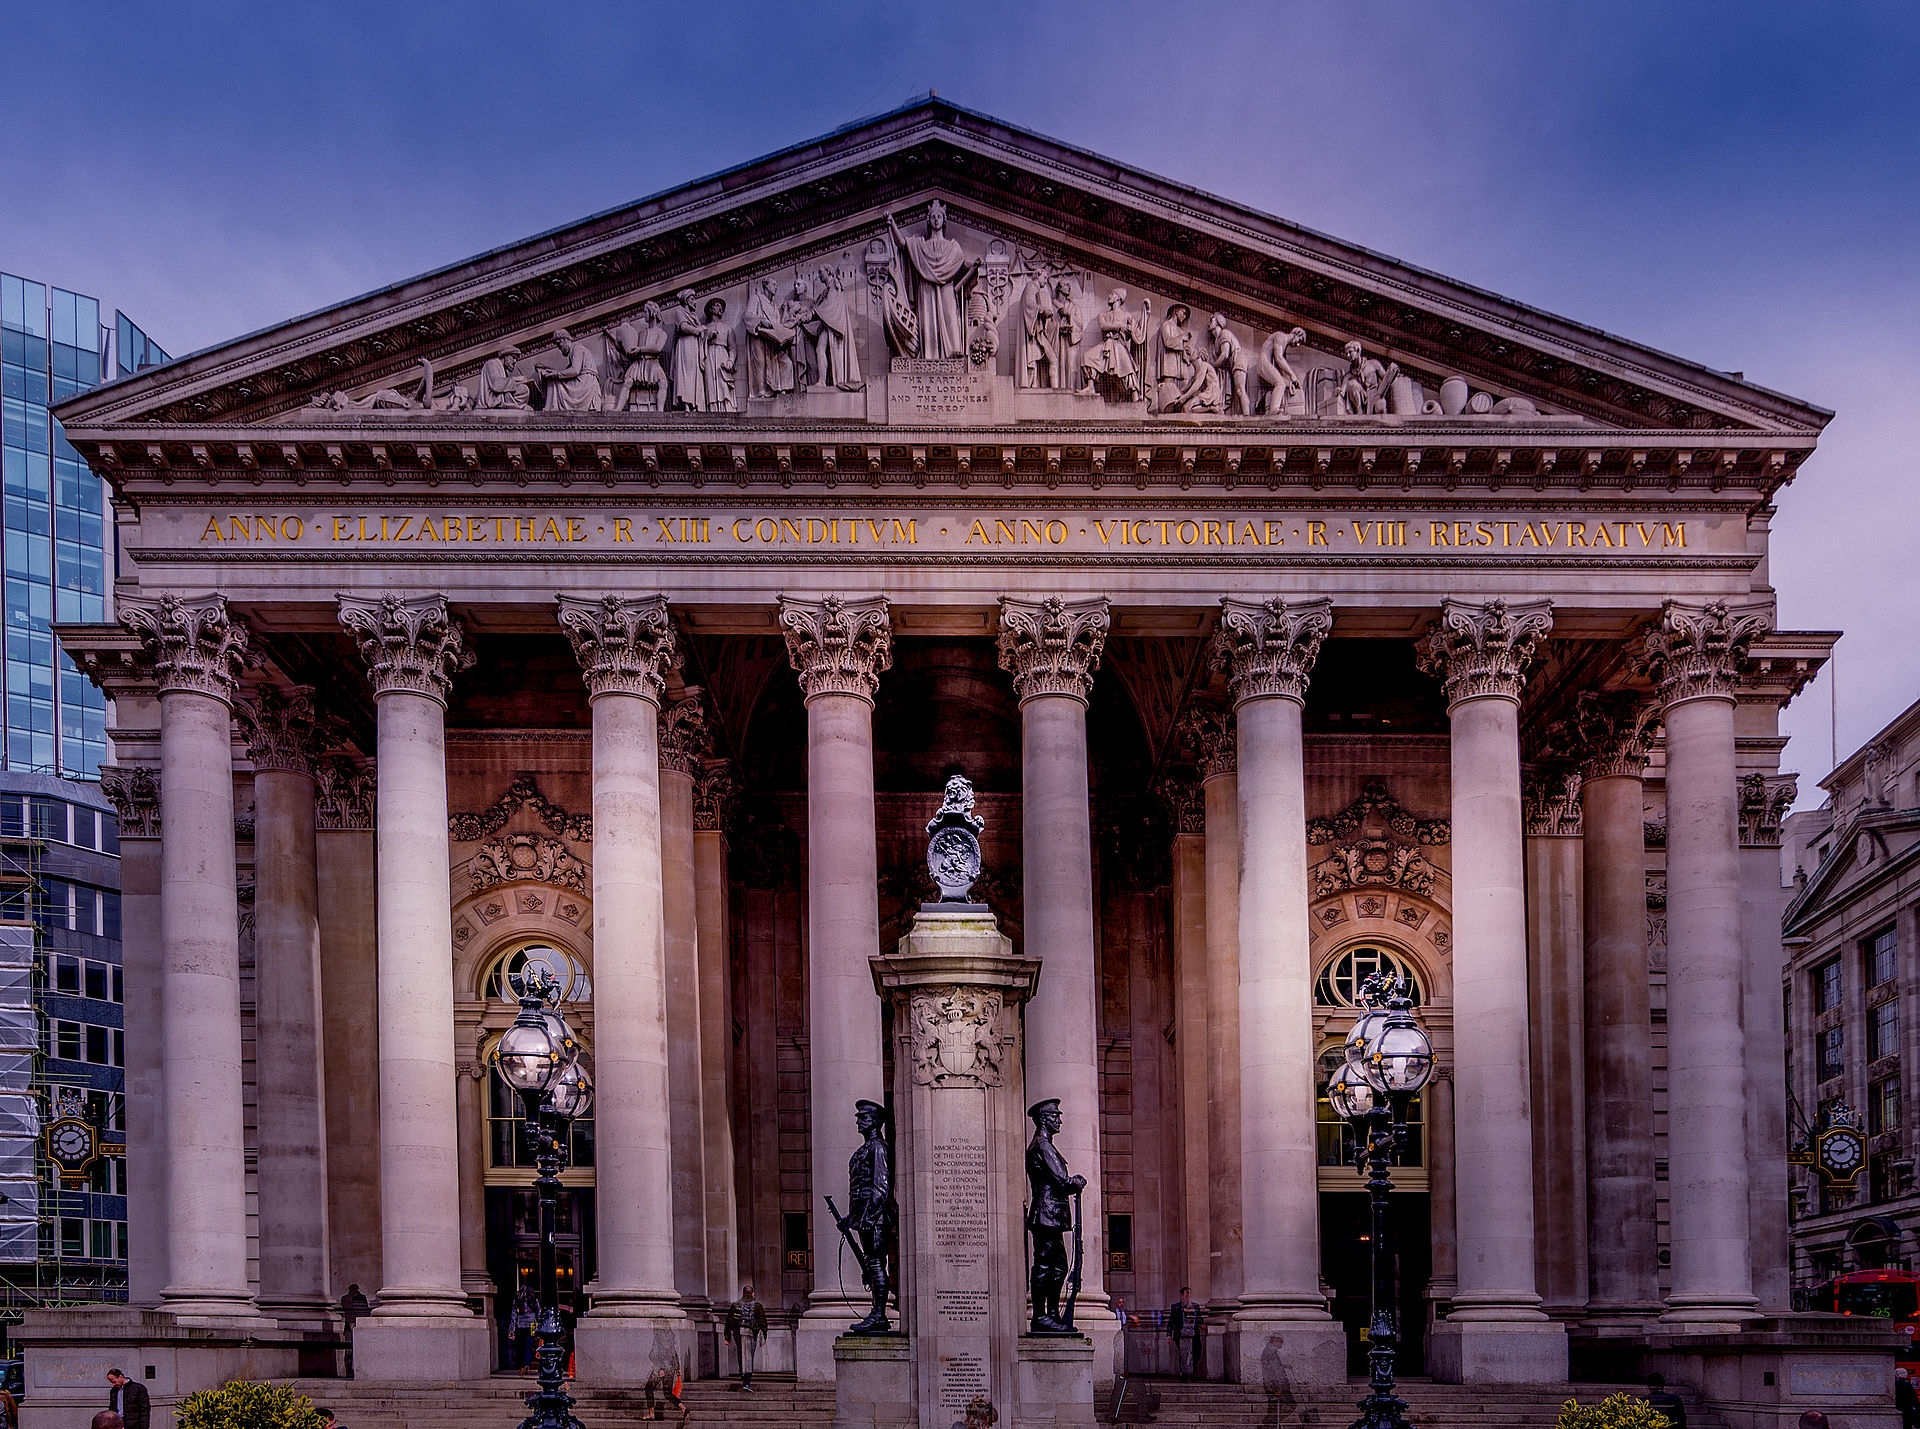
(624,646)
(1268,648)
(838,647)
(1482,651)
(1052,646)
(411,645)
(196,646)
(1695,652)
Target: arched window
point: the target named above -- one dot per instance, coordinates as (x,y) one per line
(1339,982)
(503,980)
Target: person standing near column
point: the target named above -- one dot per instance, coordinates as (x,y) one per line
(283,730)
(198,650)
(626,649)
(839,648)
(1610,734)
(424,1328)
(1695,655)
(1267,650)
(1496,1331)
(1052,648)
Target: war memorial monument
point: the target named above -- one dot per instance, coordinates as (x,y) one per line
(623,602)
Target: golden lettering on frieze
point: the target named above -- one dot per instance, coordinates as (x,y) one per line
(667,532)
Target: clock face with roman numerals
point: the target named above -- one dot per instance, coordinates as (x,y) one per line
(1841,1153)
(71,1143)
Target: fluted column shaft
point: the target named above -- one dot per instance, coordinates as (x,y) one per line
(839,650)
(288,1066)
(1695,655)
(1621,1212)
(683,742)
(197,652)
(1052,649)
(1481,652)
(712,796)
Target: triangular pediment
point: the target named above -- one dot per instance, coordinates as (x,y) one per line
(1876,843)
(1004,318)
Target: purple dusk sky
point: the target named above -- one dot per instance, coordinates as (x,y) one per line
(1737,184)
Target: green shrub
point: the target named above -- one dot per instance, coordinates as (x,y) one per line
(1619,1411)
(240,1404)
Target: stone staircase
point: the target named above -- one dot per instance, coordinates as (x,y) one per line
(779,1403)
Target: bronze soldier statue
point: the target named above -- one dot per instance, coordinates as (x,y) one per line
(872,1214)
(1049,1217)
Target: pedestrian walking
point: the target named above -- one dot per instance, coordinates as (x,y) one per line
(746,1331)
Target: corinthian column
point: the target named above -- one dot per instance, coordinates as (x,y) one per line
(839,648)
(197,652)
(626,650)
(281,729)
(1267,649)
(712,798)
(684,742)
(423,1328)
(1187,808)
(1695,654)
(1052,648)
(1496,1331)
(1611,734)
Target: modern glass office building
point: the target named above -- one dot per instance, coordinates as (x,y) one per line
(63,1234)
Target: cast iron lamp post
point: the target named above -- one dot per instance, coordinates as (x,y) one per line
(539,1058)
(1389,1059)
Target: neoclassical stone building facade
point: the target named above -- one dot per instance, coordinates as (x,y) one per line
(625,599)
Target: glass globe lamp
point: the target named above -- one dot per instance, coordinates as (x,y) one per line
(1366,1027)
(1401,1058)
(1349,1093)
(527,1055)
(571,1095)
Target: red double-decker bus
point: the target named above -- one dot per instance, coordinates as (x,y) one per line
(1878,1295)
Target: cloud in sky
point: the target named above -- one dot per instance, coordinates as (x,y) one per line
(1738,184)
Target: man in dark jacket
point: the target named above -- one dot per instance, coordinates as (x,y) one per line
(128,1400)
(1664,1400)
(1183,1322)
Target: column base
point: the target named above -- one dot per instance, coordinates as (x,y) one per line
(1529,1351)
(310,1314)
(622,1345)
(421,1349)
(1699,1315)
(1281,1354)
(873,1383)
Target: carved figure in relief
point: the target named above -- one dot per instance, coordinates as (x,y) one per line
(934,270)
(498,388)
(576,386)
(1047,332)
(717,359)
(771,343)
(1203,392)
(836,360)
(1230,361)
(796,312)
(1284,395)
(1112,366)
(1177,360)
(638,350)
(1363,390)
(689,342)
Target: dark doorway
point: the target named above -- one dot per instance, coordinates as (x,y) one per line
(1346,1264)
(513,1257)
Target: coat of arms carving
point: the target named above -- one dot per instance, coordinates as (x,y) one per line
(954,1035)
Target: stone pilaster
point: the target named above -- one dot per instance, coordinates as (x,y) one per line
(423,1328)
(684,743)
(1695,655)
(713,796)
(626,649)
(839,649)
(1496,1331)
(283,731)
(1267,650)
(198,650)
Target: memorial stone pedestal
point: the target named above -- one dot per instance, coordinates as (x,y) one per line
(956,988)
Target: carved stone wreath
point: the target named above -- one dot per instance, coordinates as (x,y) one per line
(519,858)
(954,1035)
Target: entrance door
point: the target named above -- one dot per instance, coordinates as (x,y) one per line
(1346,1264)
(513,1256)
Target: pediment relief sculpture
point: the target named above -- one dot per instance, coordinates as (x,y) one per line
(532,858)
(1374,841)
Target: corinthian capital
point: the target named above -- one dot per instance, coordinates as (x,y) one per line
(1208,738)
(134,792)
(1698,651)
(714,792)
(1478,651)
(1550,801)
(195,645)
(1608,735)
(1267,647)
(344,792)
(838,647)
(624,646)
(411,645)
(284,729)
(684,737)
(1052,646)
